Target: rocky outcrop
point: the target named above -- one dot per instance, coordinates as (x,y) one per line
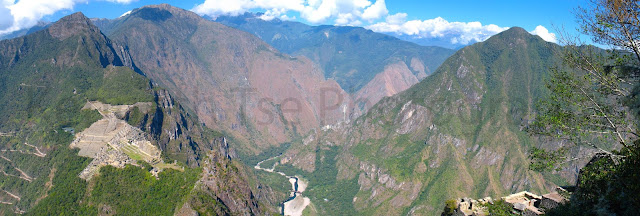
(394,79)
(229,188)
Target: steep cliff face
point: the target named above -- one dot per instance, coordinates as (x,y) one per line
(233,81)
(457,133)
(227,188)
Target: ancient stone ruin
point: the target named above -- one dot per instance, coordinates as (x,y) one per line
(523,203)
(112,141)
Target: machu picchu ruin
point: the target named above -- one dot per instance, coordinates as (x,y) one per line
(112,141)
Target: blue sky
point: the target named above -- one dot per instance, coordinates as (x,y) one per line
(460,21)
(526,14)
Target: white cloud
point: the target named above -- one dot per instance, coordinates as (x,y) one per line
(458,32)
(341,12)
(121,1)
(396,19)
(376,11)
(216,8)
(287,18)
(6,19)
(27,13)
(544,34)
(273,13)
(21,14)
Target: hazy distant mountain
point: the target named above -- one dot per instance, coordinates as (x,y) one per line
(441,42)
(352,56)
(41,25)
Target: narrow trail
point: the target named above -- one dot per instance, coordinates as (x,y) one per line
(20,177)
(24,175)
(27,85)
(39,153)
(12,195)
(7,159)
(19,151)
(7,134)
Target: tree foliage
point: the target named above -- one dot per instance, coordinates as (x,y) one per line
(589,96)
(500,208)
(594,103)
(612,22)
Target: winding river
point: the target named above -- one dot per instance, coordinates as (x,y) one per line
(296,202)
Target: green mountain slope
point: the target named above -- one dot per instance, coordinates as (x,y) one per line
(46,78)
(352,56)
(457,133)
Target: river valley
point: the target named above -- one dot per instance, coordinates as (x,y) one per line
(295,205)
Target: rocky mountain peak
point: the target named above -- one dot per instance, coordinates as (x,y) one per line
(74,24)
(516,30)
(162,12)
(513,34)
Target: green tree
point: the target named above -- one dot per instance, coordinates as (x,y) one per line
(592,95)
(593,102)
(500,208)
(450,207)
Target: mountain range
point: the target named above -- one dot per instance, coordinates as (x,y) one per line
(163,111)
(340,50)
(459,132)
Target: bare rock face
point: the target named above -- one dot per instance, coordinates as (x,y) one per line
(394,79)
(412,117)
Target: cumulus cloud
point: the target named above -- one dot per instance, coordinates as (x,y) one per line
(121,1)
(396,19)
(544,34)
(21,14)
(458,32)
(216,8)
(341,12)
(376,11)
